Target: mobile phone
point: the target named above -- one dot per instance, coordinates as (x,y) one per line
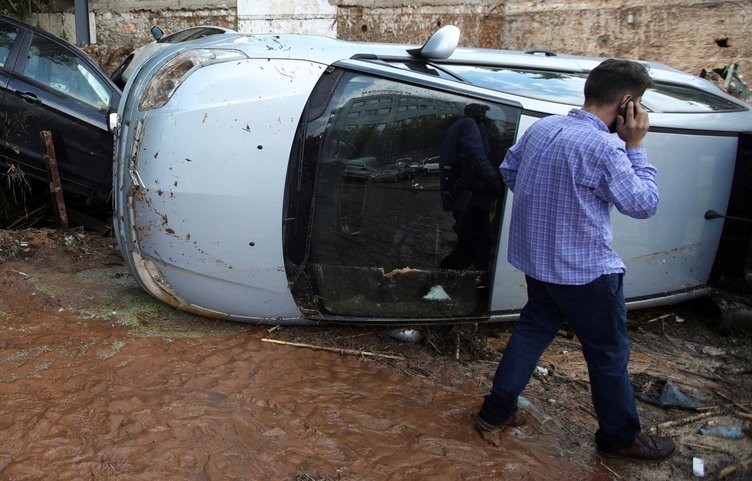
(623,108)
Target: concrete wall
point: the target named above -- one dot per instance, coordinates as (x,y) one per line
(315,17)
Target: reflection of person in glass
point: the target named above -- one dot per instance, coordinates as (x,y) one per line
(470,186)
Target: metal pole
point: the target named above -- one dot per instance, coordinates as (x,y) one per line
(81,8)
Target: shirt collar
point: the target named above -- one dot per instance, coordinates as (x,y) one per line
(584,116)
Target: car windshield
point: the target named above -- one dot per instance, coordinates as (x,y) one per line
(567,88)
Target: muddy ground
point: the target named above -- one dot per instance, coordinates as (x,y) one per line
(100,381)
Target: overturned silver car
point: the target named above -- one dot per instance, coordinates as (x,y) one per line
(251,177)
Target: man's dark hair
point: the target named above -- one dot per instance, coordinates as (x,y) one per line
(613,77)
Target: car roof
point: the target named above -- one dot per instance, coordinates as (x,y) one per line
(327,50)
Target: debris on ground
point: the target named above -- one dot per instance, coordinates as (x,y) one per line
(685,348)
(729,79)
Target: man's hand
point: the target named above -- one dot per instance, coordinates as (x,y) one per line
(633,128)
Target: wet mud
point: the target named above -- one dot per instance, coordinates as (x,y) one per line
(99,381)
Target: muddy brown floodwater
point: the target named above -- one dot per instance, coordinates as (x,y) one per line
(98,381)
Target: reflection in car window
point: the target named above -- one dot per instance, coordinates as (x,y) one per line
(8,35)
(558,87)
(368,200)
(57,67)
(567,88)
(680,98)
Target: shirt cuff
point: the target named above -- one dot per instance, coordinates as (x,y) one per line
(638,156)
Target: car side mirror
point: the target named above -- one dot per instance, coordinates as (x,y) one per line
(156,32)
(440,45)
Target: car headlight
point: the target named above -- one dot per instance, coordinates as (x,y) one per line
(172,74)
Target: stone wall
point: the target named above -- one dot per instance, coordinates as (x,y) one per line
(413,23)
(689,35)
(120,32)
(686,34)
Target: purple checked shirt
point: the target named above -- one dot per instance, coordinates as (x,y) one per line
(566,173)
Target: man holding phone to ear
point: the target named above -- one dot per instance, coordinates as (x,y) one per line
(566,173)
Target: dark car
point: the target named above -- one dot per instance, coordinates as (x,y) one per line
(48,84)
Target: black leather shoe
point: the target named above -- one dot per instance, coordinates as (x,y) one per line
(648,449)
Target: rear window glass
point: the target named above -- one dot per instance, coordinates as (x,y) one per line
(567,88)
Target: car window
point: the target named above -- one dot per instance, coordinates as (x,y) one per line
(190,34)
(561,87)
(567,88)
(681,98)
(53,65)
(368,195)
(8,34)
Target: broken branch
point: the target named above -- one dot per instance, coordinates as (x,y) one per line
(682,421)
(659,318)
(734,467)
(704,447)
(611,470)
(334,349)
(719,393)
(745,416)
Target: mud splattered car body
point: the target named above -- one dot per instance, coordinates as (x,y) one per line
(232,198)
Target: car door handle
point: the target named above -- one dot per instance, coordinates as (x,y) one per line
(29,97)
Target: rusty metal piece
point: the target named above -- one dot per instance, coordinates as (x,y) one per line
(55,189)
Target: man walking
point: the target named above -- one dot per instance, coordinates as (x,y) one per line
(566,173)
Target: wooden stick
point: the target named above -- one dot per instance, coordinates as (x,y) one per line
(738,370)
(700,446)
(55,189)
(719,393)
(334,349)
(659,318)
(745,416)
(610,470)
(734,467)
(709,377)
(679,422)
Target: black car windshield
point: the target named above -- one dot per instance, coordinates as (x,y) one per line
(567,88)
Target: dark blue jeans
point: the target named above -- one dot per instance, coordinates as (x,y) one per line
(597,314)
